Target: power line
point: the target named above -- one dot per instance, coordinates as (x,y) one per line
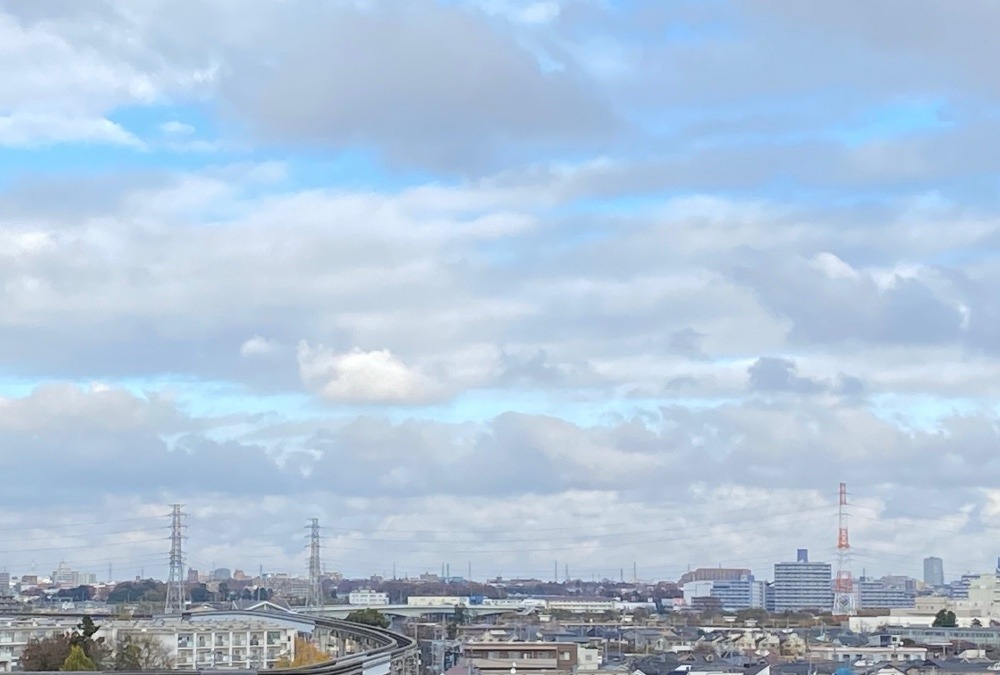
(25,528)
(49,537)
(75,548)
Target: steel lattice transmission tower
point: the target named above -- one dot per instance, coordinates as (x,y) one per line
(175,580)
(315,566)
(844,599)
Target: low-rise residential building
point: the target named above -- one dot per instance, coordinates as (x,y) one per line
(541,658)
(869,655)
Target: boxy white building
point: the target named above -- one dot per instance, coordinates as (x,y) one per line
(436,601)
(368,598)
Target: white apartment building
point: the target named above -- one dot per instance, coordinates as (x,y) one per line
(368,598)
(16,633)
(802,585)
(200,643)
(246,644)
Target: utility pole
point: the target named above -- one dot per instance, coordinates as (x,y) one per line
(175,581)
(315,566)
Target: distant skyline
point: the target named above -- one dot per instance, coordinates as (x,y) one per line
(508,281)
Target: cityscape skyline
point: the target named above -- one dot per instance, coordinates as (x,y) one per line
(932,566)
(501,281)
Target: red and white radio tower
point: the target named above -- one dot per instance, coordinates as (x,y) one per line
(844,599)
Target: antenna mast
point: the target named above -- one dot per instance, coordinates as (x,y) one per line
(844,599)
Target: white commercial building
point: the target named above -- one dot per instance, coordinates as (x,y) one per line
(368,598)
(696,589)
(581,606)
(510,603)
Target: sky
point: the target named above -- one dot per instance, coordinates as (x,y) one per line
(508,284)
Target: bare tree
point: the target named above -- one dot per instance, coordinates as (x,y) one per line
(141,652)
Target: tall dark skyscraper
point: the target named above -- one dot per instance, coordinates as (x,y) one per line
(934,571)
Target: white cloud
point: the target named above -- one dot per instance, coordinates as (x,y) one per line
(523,11)
(176,128)
(23,129)
(363,377)
(257,346)
(14,244)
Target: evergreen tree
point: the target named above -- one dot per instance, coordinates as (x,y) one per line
(945,618)
(77,660)
(370,617)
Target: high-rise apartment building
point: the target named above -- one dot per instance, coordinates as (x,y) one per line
(885,593)
(734,595)
(802,585)
(934,571)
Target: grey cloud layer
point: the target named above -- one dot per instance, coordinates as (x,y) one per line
(613,491)
(145,444)
(433,85)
